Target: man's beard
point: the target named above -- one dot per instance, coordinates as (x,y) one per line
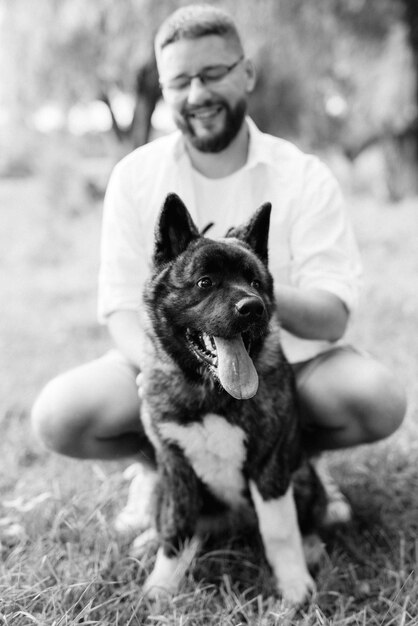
(218,141)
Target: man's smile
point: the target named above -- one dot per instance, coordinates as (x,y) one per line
(207,112)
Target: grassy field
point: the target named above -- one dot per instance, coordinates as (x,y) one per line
(61,564)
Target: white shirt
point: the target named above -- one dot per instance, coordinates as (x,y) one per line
(311,243)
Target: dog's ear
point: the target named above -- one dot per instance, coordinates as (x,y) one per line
(256,231)
(174,231)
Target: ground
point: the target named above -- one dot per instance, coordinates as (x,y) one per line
(60,562)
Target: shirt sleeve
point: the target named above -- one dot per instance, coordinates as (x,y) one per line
(323,247)
(123,264)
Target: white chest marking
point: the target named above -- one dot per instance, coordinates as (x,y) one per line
(216,451)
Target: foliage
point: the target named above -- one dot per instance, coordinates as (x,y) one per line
(308,53)
(74,49)
(314,55)
(19,150)
(369,19)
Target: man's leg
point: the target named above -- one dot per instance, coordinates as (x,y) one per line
(347,399)
(92,411)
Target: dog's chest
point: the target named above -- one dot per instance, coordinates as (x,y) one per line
(216,450)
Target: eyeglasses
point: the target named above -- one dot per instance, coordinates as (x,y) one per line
(207,75)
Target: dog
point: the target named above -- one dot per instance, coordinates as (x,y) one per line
(218,399)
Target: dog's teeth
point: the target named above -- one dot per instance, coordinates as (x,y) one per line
(207,342)
(203,346)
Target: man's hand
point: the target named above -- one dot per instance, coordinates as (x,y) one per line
(311,313)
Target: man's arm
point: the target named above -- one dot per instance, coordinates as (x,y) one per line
(322,280)
(128,335)
(311,313)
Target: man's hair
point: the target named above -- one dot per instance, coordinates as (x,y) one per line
(194,21)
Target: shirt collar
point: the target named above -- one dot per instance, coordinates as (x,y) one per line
(257,150)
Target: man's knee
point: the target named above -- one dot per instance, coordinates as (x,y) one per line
(380,402)
(353,399)
(57,417)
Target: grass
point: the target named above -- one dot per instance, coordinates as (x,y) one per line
(61,564)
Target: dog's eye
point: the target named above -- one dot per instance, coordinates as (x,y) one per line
(204,283)
(256,284)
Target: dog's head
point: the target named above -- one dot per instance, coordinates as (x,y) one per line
(210,301)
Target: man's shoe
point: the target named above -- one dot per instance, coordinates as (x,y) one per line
(136,516)
(338,509)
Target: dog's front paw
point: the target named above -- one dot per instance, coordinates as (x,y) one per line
(296,590)
(145,542)
(169,571)
(164,579)
(158,588)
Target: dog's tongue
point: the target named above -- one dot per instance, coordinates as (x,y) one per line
(236,370)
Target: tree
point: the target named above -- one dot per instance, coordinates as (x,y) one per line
(69,51)
(411,18)
(308,54)
(384,94)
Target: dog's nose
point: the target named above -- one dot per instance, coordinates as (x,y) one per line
(250,306)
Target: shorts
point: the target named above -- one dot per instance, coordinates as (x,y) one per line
(304,369)
(121,362)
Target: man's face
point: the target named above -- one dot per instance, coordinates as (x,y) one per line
(208,113)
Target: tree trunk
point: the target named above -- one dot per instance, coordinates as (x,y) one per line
(147,93)
(147,96)
(411,18)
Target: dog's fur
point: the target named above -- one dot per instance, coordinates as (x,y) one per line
(219,448)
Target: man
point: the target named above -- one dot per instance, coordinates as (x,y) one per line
(223,168)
